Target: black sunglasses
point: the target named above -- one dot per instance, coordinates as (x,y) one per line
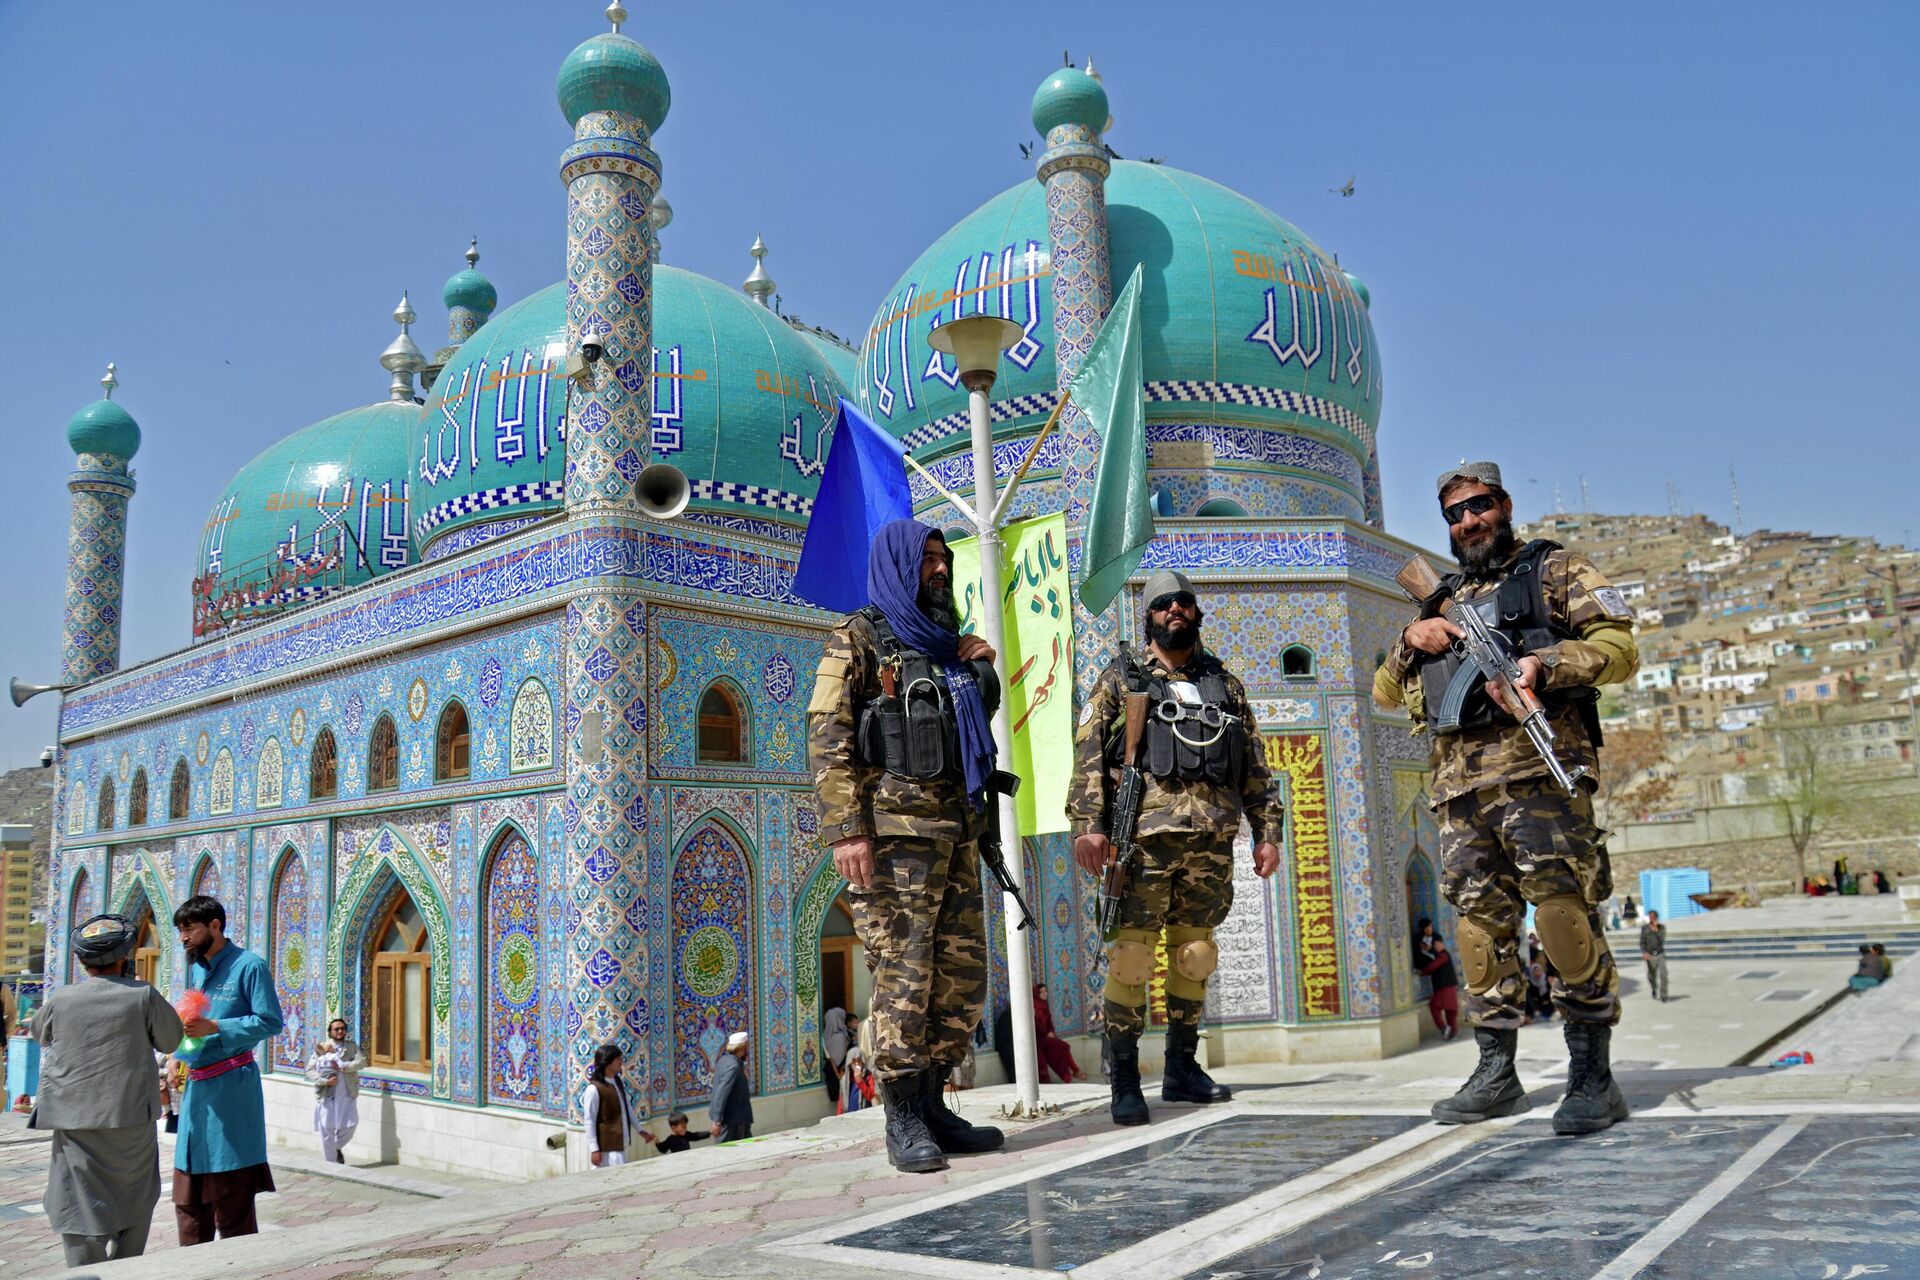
(1479,504)
(1162,603)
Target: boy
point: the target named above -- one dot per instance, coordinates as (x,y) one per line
(678,1139)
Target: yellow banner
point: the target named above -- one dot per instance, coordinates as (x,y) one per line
(1037,606)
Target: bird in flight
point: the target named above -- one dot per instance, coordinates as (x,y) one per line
(1342,191)
(1026,151)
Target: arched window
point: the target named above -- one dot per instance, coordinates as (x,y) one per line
(323,769)
(179,792)
(146,949)
(1222,507)
(452,745)
(104,819)
(1296,662)
(721,727)
(402,980)
(137,800)
(383,756)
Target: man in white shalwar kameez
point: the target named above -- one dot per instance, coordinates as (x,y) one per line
(333,1069)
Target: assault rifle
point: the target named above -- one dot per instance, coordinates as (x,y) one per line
(1489,653)
(1124,820)
(992,850)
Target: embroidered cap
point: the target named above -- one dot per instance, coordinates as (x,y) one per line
(1486,473)
(102,940)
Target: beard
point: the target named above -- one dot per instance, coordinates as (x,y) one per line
(199,952)
(1482,558)
(1174,637)
(936,601)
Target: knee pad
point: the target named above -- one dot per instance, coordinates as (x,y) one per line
(1192,953)
(1566,931)
(1483,972)
(1130,958)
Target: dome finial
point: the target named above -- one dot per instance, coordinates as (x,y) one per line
(402,357)
(616,14)
(110,381)
(473,254)
(759,285)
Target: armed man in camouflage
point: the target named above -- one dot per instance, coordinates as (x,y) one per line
(1509,834)
(1205,770)
(899,735)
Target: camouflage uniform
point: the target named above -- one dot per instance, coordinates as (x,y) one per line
(1183,881)
(1508,833)
(920,920)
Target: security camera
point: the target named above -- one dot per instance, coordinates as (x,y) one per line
(593,345)
(46,758)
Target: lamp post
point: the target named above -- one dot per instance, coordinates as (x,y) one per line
(975,343)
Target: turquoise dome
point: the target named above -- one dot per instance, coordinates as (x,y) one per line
(282,513)
(1366,298)
(104,427)
(1218,312)
(471,290)
(613,72)
(1069,96)
(741,404)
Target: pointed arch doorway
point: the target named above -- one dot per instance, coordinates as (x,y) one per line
(845,982)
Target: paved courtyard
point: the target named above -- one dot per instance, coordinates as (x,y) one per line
(1327,1172)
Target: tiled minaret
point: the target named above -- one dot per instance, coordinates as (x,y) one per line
(1070,113)
(470,299)
(104,438)
(614,94)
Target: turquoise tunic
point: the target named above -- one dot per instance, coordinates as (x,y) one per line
(224,1123)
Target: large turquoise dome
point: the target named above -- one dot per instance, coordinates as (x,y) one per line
(1247,322)
(324,508)
(742,404)
(104,427)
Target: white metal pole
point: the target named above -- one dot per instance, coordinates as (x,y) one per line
(993,630)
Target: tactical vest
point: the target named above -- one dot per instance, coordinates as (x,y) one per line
(915,732)
(1187,741)
(1517,611)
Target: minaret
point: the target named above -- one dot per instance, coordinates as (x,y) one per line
(661,212)
(615,95)
(758,284)
(402,357)
(1070,113)
(469,298)
(104,438)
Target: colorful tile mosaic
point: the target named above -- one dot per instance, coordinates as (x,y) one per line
(513,1035)
(712,955)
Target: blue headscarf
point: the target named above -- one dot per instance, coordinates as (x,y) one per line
(893,584)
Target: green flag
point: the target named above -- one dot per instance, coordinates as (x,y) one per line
(1110,390)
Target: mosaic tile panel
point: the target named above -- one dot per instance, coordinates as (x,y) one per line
(513,1037)
(712,955)
(293,961)
(96,567)
(768,670)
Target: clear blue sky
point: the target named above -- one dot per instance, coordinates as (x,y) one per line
(1623,241)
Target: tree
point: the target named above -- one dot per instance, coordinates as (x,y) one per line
(1807,787)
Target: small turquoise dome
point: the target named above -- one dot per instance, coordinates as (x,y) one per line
(104,427)
(614,73)
(471,290)
(1069,96)
(1366,299)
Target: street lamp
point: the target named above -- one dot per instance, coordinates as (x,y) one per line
(975,343)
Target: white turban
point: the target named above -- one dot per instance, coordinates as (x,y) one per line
(736,1040)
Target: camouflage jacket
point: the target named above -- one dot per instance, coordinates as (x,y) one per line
(1170,805)
(858,799)
(1584,605)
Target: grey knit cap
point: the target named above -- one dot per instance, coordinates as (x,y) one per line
(1486,473)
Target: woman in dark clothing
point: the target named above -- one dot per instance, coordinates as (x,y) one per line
(1430,958)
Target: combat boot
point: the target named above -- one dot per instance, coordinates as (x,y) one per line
(955,1136)
(1494,1089)
(1593,1100)
(1183,1079)
(909,1146)
(1129,1105)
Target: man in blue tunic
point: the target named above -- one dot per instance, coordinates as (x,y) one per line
(220,1155)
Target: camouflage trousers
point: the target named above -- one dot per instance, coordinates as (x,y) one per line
(920,922)
(1525,842)
(1183,881)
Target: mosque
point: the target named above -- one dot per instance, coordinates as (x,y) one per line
(487,756)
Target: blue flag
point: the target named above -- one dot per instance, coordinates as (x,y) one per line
(864,487)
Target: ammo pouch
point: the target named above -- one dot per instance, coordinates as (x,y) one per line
(1189,742)
(914,732)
